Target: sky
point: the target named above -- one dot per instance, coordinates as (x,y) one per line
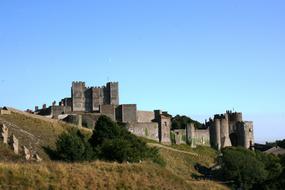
(194,58)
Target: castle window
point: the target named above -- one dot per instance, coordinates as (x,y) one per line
(165,124)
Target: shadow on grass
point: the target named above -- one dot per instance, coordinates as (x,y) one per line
(53,154)
(206,173)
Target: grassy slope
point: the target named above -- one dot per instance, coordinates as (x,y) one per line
(41,132)
(182,165)
(8,155)
(99,175)
(96,175)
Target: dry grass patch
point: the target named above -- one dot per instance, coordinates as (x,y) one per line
(35,132)
(96,175)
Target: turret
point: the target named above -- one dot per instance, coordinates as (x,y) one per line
(190,134)
(217,133)
(225,137)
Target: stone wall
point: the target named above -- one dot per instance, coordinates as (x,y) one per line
(74,119)
(88,94)
(180,136)
(98,98)
(164,130)
(126,113)
(55,111)
(108,110)
(192,136)
(202,137)
(148,130)
(89,120)
(145,116)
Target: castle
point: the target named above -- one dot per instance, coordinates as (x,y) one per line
(87,104)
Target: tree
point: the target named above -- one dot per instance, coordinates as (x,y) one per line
(241,166)
(73,146)
(104,129)
(180,122)
(281,143)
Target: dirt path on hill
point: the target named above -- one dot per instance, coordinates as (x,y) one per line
(172,149)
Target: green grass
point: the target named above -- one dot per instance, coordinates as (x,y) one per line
(207,156)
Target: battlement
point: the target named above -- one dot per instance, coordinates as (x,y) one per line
(112,83)
(235,116)
(89,99)
(78,83)
(220,116)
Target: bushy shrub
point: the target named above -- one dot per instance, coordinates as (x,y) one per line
(105,129)
(73,146)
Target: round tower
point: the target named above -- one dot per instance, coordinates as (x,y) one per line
(190,135)
(248,138)
(217,133)
(225,136)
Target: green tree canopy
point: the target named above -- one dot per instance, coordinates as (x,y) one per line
(73,146)
(241,166)
(180,122)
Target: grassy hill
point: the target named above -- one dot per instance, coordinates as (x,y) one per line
(17,174)
(34,131)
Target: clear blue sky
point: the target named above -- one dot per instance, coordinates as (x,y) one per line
(195,58)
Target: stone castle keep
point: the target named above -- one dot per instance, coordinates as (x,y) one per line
(87,104)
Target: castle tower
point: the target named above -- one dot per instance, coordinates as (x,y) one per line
(234,118)
(217,133)
(98,98)
(78,96)
(164,123)
(190,135)
(248,138)
(112,93)
(225,136)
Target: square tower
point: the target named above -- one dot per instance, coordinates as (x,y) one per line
(112,95)
(78,96)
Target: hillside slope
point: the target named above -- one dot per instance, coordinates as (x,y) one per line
(41,132)
(35,132)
